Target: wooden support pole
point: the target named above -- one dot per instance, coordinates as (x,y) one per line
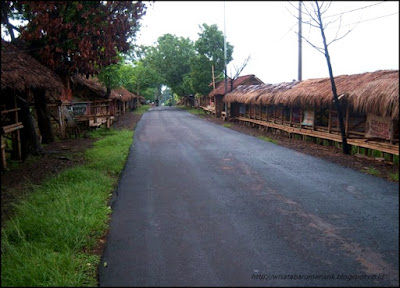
(18,137)
(3,153)
(330,119)
(346,129)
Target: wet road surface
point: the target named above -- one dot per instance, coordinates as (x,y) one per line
(199,204)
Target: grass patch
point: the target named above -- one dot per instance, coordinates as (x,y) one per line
(394,176)
(268,139)
(141,109)
(227,125)
(46,242)
(195,111)
(372,171)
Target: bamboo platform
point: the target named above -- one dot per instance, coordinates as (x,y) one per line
(363,143)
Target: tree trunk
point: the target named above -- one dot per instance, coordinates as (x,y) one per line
(137,99)
(333,85)
(108,94)
(30,143)
(43,116)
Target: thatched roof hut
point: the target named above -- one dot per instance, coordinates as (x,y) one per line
(241,80)
(122,94)
(93,89)
(22,72)
(88,89)
(371,92)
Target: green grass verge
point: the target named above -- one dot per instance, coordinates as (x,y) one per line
(195,111)
(372,171)
(141,109)
(268,139)
(227,125)
(44,244)
(394,176)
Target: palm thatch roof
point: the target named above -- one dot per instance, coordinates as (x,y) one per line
(88,88)
(241,80)
(22,72)
(371,92)
(92,88)
(122,94)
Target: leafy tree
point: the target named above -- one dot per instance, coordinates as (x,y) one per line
(80,37)
(111,76)
(73,37)
(139,77)
(211,45)
(171,58)
(210,52)
(200,74)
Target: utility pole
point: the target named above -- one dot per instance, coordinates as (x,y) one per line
(300,54)
(226,80)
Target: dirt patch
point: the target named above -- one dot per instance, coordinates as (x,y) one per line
(329,153)
(18,181)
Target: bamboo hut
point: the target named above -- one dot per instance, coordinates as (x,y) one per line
(123,101)
(370,104)
(90,106)
(25,84)
(215,104)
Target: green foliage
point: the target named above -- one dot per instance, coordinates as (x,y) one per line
(227,125)
(79,36)
(372,171)
(211,45)
(200,74)
(45,243)
(138,77)
(396,160)
(111,75)
(195,111)
(142,109)
(268,139)
(170,58)
(210,52)
(394,176)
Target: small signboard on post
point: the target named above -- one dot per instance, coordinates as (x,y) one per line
(378,127)
(79,109)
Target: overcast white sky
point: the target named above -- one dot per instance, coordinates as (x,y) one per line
(266,32)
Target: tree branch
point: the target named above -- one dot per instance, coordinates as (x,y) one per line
(317,48)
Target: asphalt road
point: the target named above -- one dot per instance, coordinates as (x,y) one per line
(199,204)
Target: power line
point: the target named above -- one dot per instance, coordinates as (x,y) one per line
(361,8)
(370,19)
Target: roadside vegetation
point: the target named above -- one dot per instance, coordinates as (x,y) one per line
(195,111)
(141,109)
(268,139)
(50,239)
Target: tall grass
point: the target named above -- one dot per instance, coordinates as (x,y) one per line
(44,244)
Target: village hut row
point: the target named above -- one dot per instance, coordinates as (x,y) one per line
(213,102)
(370,105)
(35,106)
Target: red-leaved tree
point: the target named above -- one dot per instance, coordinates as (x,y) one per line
(80,36)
